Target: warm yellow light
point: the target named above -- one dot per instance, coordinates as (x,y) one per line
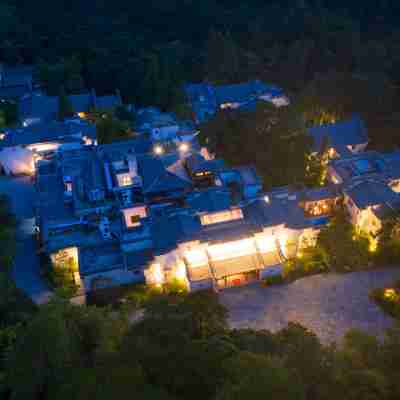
(184,147)
(299,254)
(373,245)
(196,257)
(180,272)
(81,115)
(266,244)
(158,275)
(234,249)
(158,149)
(390,294)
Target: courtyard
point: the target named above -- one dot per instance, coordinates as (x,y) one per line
(328,304)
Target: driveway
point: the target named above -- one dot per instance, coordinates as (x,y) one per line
(26,266)
(328,304)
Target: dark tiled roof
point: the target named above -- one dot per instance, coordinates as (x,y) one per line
(242,92)
(341,134)
(47,132)
(156,178)
(13,92)
(209,200)
(371,193)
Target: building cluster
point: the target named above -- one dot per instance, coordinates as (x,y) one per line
(159,208)
(206,99)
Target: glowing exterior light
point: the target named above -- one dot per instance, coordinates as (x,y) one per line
(158,150)
(158,275)
(184,147)
(180,272)
(234,249)
(390,294)
(196,257)
(81,115)
(373,245)
(267,199)
(266,244)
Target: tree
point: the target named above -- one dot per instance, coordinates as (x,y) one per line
(59,339)
(65,108)
(251,376)
(345,249)
(389,239)
(110,129)
(222,60)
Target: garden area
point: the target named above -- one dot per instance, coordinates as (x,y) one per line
(341,248)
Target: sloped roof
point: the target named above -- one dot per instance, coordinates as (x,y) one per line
(210,200)
(370,192)
(46,107)
(46,132)
(341,134)
(244,91)
(156,178)
(13,92)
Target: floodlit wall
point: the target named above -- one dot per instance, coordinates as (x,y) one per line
(17,160)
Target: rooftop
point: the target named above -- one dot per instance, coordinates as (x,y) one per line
(48,132)
(341,134)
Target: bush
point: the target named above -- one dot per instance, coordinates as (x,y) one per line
(273,280)
(388,299)
(344,249)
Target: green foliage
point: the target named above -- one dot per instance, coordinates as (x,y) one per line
(62,276)
(273,280)
(312,260)
(254,376)
(388,250)
(111,129)
(388,299)
(266,138)
(64,75)
(60,338)
(65,108)
(345,249)
(8,114)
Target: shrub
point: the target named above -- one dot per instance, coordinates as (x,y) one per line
(273,280)
(388,299)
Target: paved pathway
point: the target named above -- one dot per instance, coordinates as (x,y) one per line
(26,265)
(327,304)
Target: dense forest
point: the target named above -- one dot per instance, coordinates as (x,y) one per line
(183,349)
(333,59)
(147,50)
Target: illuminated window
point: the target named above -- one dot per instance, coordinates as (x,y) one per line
(134,215)
(124,180)
(222,216)
(68,186)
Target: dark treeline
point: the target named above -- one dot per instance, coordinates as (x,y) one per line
(148,49)
(182,349)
